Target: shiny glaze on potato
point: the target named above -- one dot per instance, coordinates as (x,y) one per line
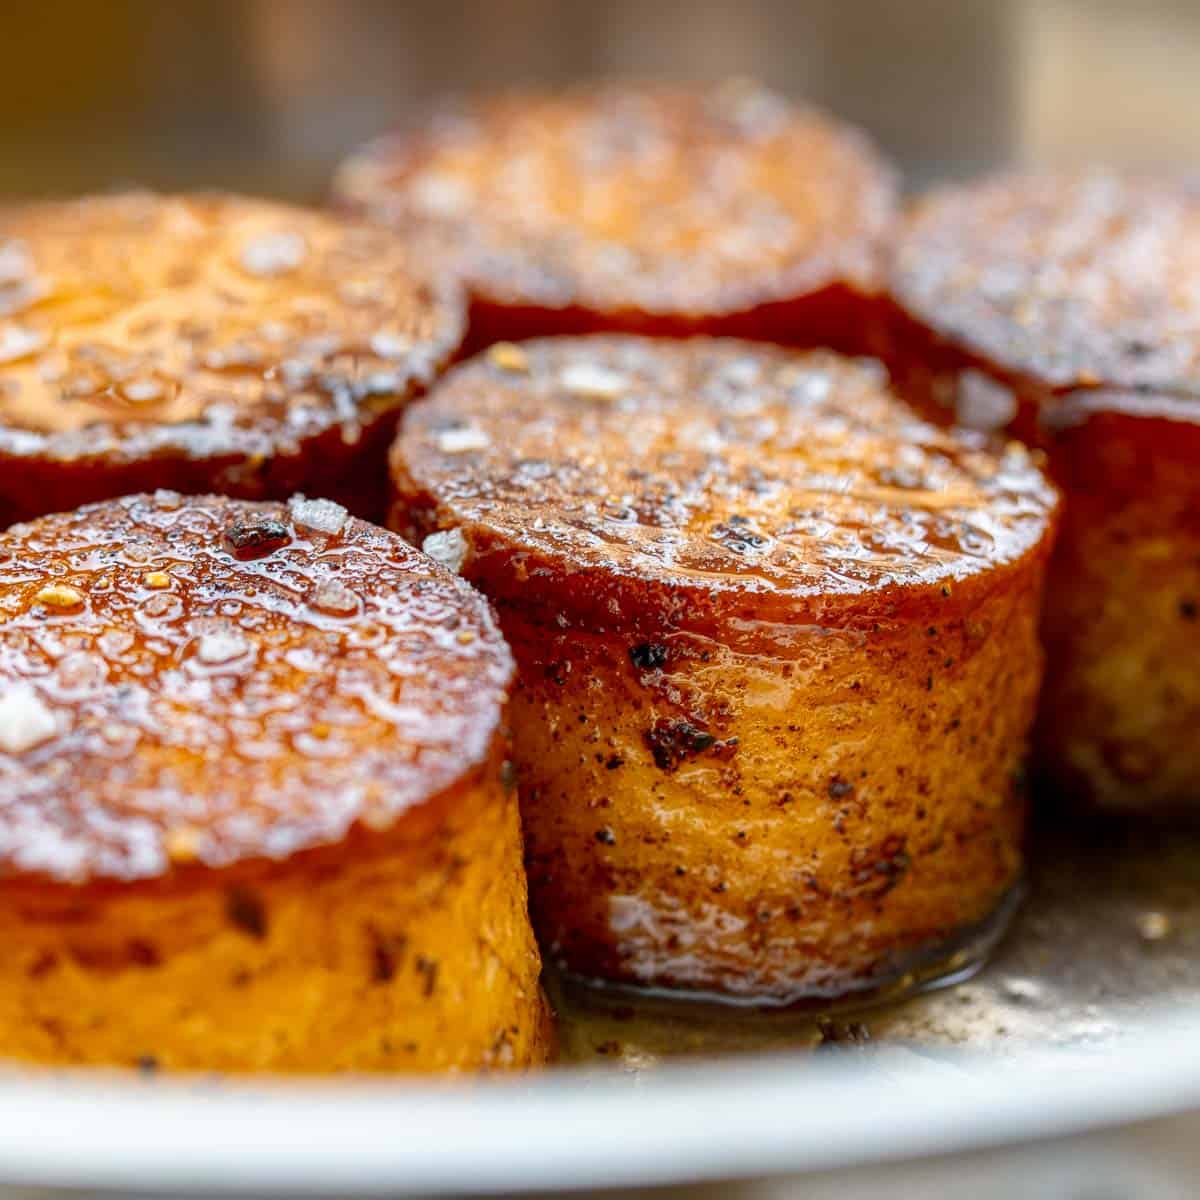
(1065,308)
(205,343)
(776,647)
(667,210)
(253,813)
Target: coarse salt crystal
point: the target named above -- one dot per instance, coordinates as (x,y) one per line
(461,441)
(25,721)
(440,195)
(273,254)
(17,342)
(325,516)
(219,647)
(142,391)
(388,343)
(449,547)
(335,598)
(593,380)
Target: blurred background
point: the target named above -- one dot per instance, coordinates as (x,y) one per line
(266,95)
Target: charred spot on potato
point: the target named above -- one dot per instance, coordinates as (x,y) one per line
(41,966)
(144,953)
(387,953)
(839,787)
(256,535)
(737,536)
(110,956)
(605,836)
(672,742)
(147,1064)
(882,868)
(648,656)
(427,968)
(246,912)
(1187,609)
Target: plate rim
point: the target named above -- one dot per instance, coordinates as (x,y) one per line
(583,1127)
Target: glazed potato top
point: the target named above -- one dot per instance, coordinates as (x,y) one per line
(214,680)
(667,201)
(715,465)
(1073,280)
(133,323)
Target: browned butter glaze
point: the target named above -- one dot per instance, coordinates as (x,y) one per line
(1066,307)
(207,343)
(707,209)
(253,811)
(776,651)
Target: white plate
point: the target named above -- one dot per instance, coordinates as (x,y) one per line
(579,1127)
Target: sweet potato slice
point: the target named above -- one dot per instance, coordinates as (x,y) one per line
(1066,309)
(253,809)
(776,647)
(656,210)
(206,343)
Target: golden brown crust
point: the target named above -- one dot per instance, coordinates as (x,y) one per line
(1070,280)
(695,478)
(776,646)
(637,208)
(700,817)
(255,805)
(1063,310)
(211,681)
(203,342)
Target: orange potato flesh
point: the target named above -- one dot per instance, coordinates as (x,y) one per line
(408,951)
(254,801)
(761,752)
(1118,714)
(867,811)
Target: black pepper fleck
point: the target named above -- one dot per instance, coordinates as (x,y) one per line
(648,656)
(244,909)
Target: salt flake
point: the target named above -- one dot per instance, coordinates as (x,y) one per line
(25,721)
(325,516)
(448,547)
(273,254)
(461,441)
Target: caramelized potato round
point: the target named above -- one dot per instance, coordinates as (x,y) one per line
(652,210)
(1066,308)
(252,803)
(776,649)
(207,344)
